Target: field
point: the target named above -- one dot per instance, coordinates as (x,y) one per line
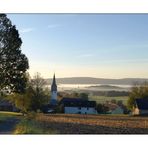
(72,124)
(103,99)
(94,124)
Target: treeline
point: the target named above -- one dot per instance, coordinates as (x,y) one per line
(111,93)
(85,94)
(73,95)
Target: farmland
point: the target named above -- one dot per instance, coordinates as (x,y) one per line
(94,124)
(72,124)
(103,99)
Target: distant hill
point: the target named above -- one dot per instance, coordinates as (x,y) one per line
(90,80)
(105,87)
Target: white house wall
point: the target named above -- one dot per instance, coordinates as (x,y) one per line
(82,110)
(136,111)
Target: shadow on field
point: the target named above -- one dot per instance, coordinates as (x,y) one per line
(7,126)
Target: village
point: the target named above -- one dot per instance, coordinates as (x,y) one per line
(81,105)
(115,99)
(73,73)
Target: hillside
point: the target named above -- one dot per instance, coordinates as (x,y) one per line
(105,87)
(90,80)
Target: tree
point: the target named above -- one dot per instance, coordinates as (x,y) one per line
(38,82)
(40,96)
(102,109)
(137,92)
(113,101)
(83,96)
(74,95)
(120,103)
(13,63)
(34,97)
(21,101)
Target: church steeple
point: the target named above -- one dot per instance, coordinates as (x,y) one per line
(54,85)
(53,100)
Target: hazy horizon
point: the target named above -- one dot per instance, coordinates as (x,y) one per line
(95,77)
(85,45)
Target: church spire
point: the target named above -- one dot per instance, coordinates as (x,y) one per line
(54,85)
(53,100)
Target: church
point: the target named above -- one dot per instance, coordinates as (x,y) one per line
(53,99)
(70,105)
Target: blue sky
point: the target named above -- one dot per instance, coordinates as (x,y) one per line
(93,45)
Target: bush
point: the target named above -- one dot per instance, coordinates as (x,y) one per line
(29,126)
(31,115)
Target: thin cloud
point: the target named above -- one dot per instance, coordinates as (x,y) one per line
(53,26)
(126,61)
(85,55)
(27,30)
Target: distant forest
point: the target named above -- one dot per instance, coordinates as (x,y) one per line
(111,93)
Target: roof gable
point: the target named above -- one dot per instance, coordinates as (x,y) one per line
(142,104)
(77,102)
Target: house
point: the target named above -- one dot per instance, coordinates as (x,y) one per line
(78,106)
(114,108)
(6,105)
(141,107)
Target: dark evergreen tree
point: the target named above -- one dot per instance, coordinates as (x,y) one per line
(13,63)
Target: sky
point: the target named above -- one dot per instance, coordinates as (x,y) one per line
(85,45)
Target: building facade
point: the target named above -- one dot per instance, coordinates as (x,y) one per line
(114,108)
(79,110)
(78,106)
